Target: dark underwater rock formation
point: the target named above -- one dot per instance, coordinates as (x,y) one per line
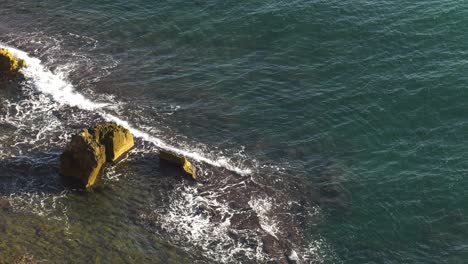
(246,217)
(90,149)
(9,64)
(4,204)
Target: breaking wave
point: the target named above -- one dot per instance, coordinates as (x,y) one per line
(64,93)
(186,218)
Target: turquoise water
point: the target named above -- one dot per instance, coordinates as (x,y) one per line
(363,100)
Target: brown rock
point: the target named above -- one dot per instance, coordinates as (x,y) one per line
(83,158)
(179,160)
(89,150)
(117,140)
(9,64)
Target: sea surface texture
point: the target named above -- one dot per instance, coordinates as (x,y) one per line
(324,131)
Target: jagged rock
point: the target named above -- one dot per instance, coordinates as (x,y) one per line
(179,160)
(89,150)
(83,158)
(9,64)
(117,139)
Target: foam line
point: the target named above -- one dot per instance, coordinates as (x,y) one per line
(222,162)
(52,84)
(64,93)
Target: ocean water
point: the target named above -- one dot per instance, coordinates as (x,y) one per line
(325,131)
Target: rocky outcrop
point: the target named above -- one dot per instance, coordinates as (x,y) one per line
(83,158)
(90,149)
(117,139)
(9,64)
(179,160)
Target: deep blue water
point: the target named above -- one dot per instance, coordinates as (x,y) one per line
(359,102)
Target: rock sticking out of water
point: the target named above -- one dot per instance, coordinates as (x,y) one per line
(9,64)
(178,160)
(116,139)
(90,149)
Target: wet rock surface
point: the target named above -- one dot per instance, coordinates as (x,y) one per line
(89,150)
(9,64)
(116,139)
(83,158)
(181,161)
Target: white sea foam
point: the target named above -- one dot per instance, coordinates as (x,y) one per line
(293,256)
(33,122)
(263,207)
(42,204)
(184,220)
(53,84)
(63,92)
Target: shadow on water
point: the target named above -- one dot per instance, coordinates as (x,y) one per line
(38,172)
(266,211)
(35,172)
(39,211)
(14,82)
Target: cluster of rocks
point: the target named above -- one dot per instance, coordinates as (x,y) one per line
(92,148)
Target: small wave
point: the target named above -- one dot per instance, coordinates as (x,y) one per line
(78,60)
(63,92)
(53,84)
